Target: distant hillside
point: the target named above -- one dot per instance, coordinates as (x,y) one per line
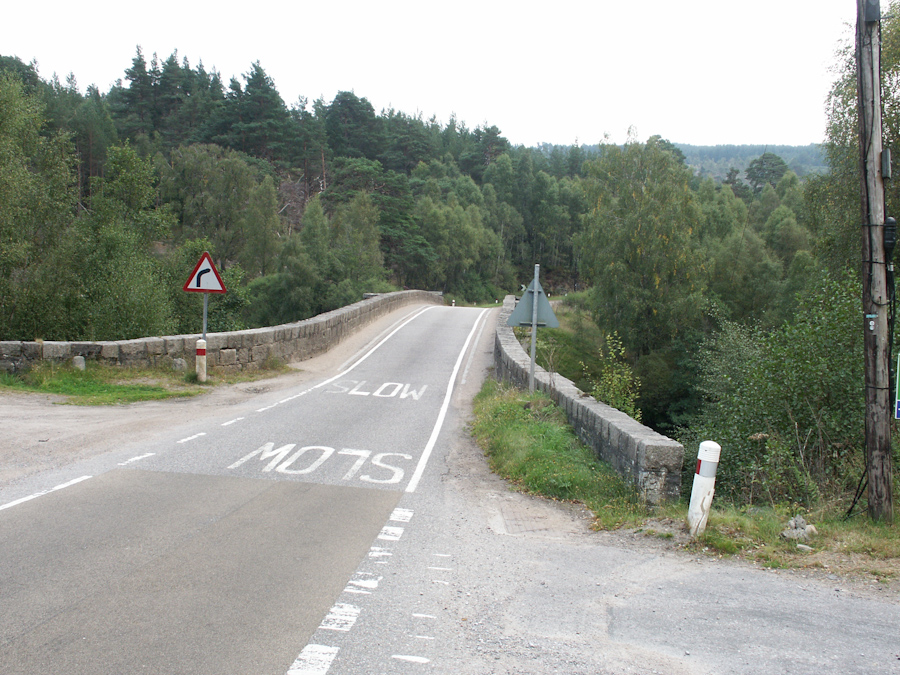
(715,160)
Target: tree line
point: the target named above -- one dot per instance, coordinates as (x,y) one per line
(107,200)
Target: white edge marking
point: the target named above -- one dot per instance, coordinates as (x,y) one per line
(137,459)
(426,454)
(230,422)
(401,515)
(424,616)
(389,533)
(44,492)
(341,617)
(313,660)
(471,358)
(410,659)
(354,365)
(191,438)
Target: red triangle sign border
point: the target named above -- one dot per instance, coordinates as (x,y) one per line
(193,284)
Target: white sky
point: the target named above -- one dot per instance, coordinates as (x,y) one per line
(704,72)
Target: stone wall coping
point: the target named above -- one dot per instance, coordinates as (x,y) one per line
(298,340)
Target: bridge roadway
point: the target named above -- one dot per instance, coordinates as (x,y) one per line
(348,525)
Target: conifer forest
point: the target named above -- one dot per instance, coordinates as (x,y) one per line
(730,291)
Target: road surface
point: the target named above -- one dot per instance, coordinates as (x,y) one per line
(341,521)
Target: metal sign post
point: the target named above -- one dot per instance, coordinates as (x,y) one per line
(533,310)
(204,279)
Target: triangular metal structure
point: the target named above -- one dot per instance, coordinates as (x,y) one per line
(523,314)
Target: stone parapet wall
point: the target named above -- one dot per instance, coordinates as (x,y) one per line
(226,352)
(650,459)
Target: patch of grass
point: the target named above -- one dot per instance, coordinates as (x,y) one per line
(856,547)
(101,384)
(528,441)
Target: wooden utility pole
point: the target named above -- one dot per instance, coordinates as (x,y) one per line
(876,300)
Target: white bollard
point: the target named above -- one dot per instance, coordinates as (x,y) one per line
(704,487)
(201,360)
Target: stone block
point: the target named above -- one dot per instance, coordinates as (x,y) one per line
(56,351)
(133,352)
(227,357)
(155,346)
(215,342)
(259,353)
(88,350)
(109,351)
(10,349)
(174,346)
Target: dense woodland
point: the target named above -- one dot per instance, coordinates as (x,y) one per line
(733,301)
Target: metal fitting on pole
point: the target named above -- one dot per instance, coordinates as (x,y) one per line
(704,487)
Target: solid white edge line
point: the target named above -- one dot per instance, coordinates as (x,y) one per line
(378,337)
(45,492)
(426,454)
(472,353)
(347,370)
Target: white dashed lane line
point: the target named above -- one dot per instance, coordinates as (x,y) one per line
(316,659)
(136,459)
(313,660)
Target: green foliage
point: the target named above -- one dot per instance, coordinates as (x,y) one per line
(528,441)
(786,404)
(638,250)
(767,169)
(617,385)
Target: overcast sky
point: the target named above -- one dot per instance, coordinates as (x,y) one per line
(704,72)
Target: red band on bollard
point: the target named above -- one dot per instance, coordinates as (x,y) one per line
(201,352)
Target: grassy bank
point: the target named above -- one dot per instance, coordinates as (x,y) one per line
(527,441)
(100,384)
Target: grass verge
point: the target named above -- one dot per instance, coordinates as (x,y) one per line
(100,384)
(528,441)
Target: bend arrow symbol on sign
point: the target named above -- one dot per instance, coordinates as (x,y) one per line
(200,273)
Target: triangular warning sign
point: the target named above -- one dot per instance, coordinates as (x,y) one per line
(205,277)
(522,315)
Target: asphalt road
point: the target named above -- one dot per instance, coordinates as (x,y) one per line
(348,526)
(220,546)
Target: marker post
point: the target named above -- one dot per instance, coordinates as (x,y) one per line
(204,279)
(704,487)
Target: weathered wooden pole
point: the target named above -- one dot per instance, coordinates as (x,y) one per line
(876,301)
